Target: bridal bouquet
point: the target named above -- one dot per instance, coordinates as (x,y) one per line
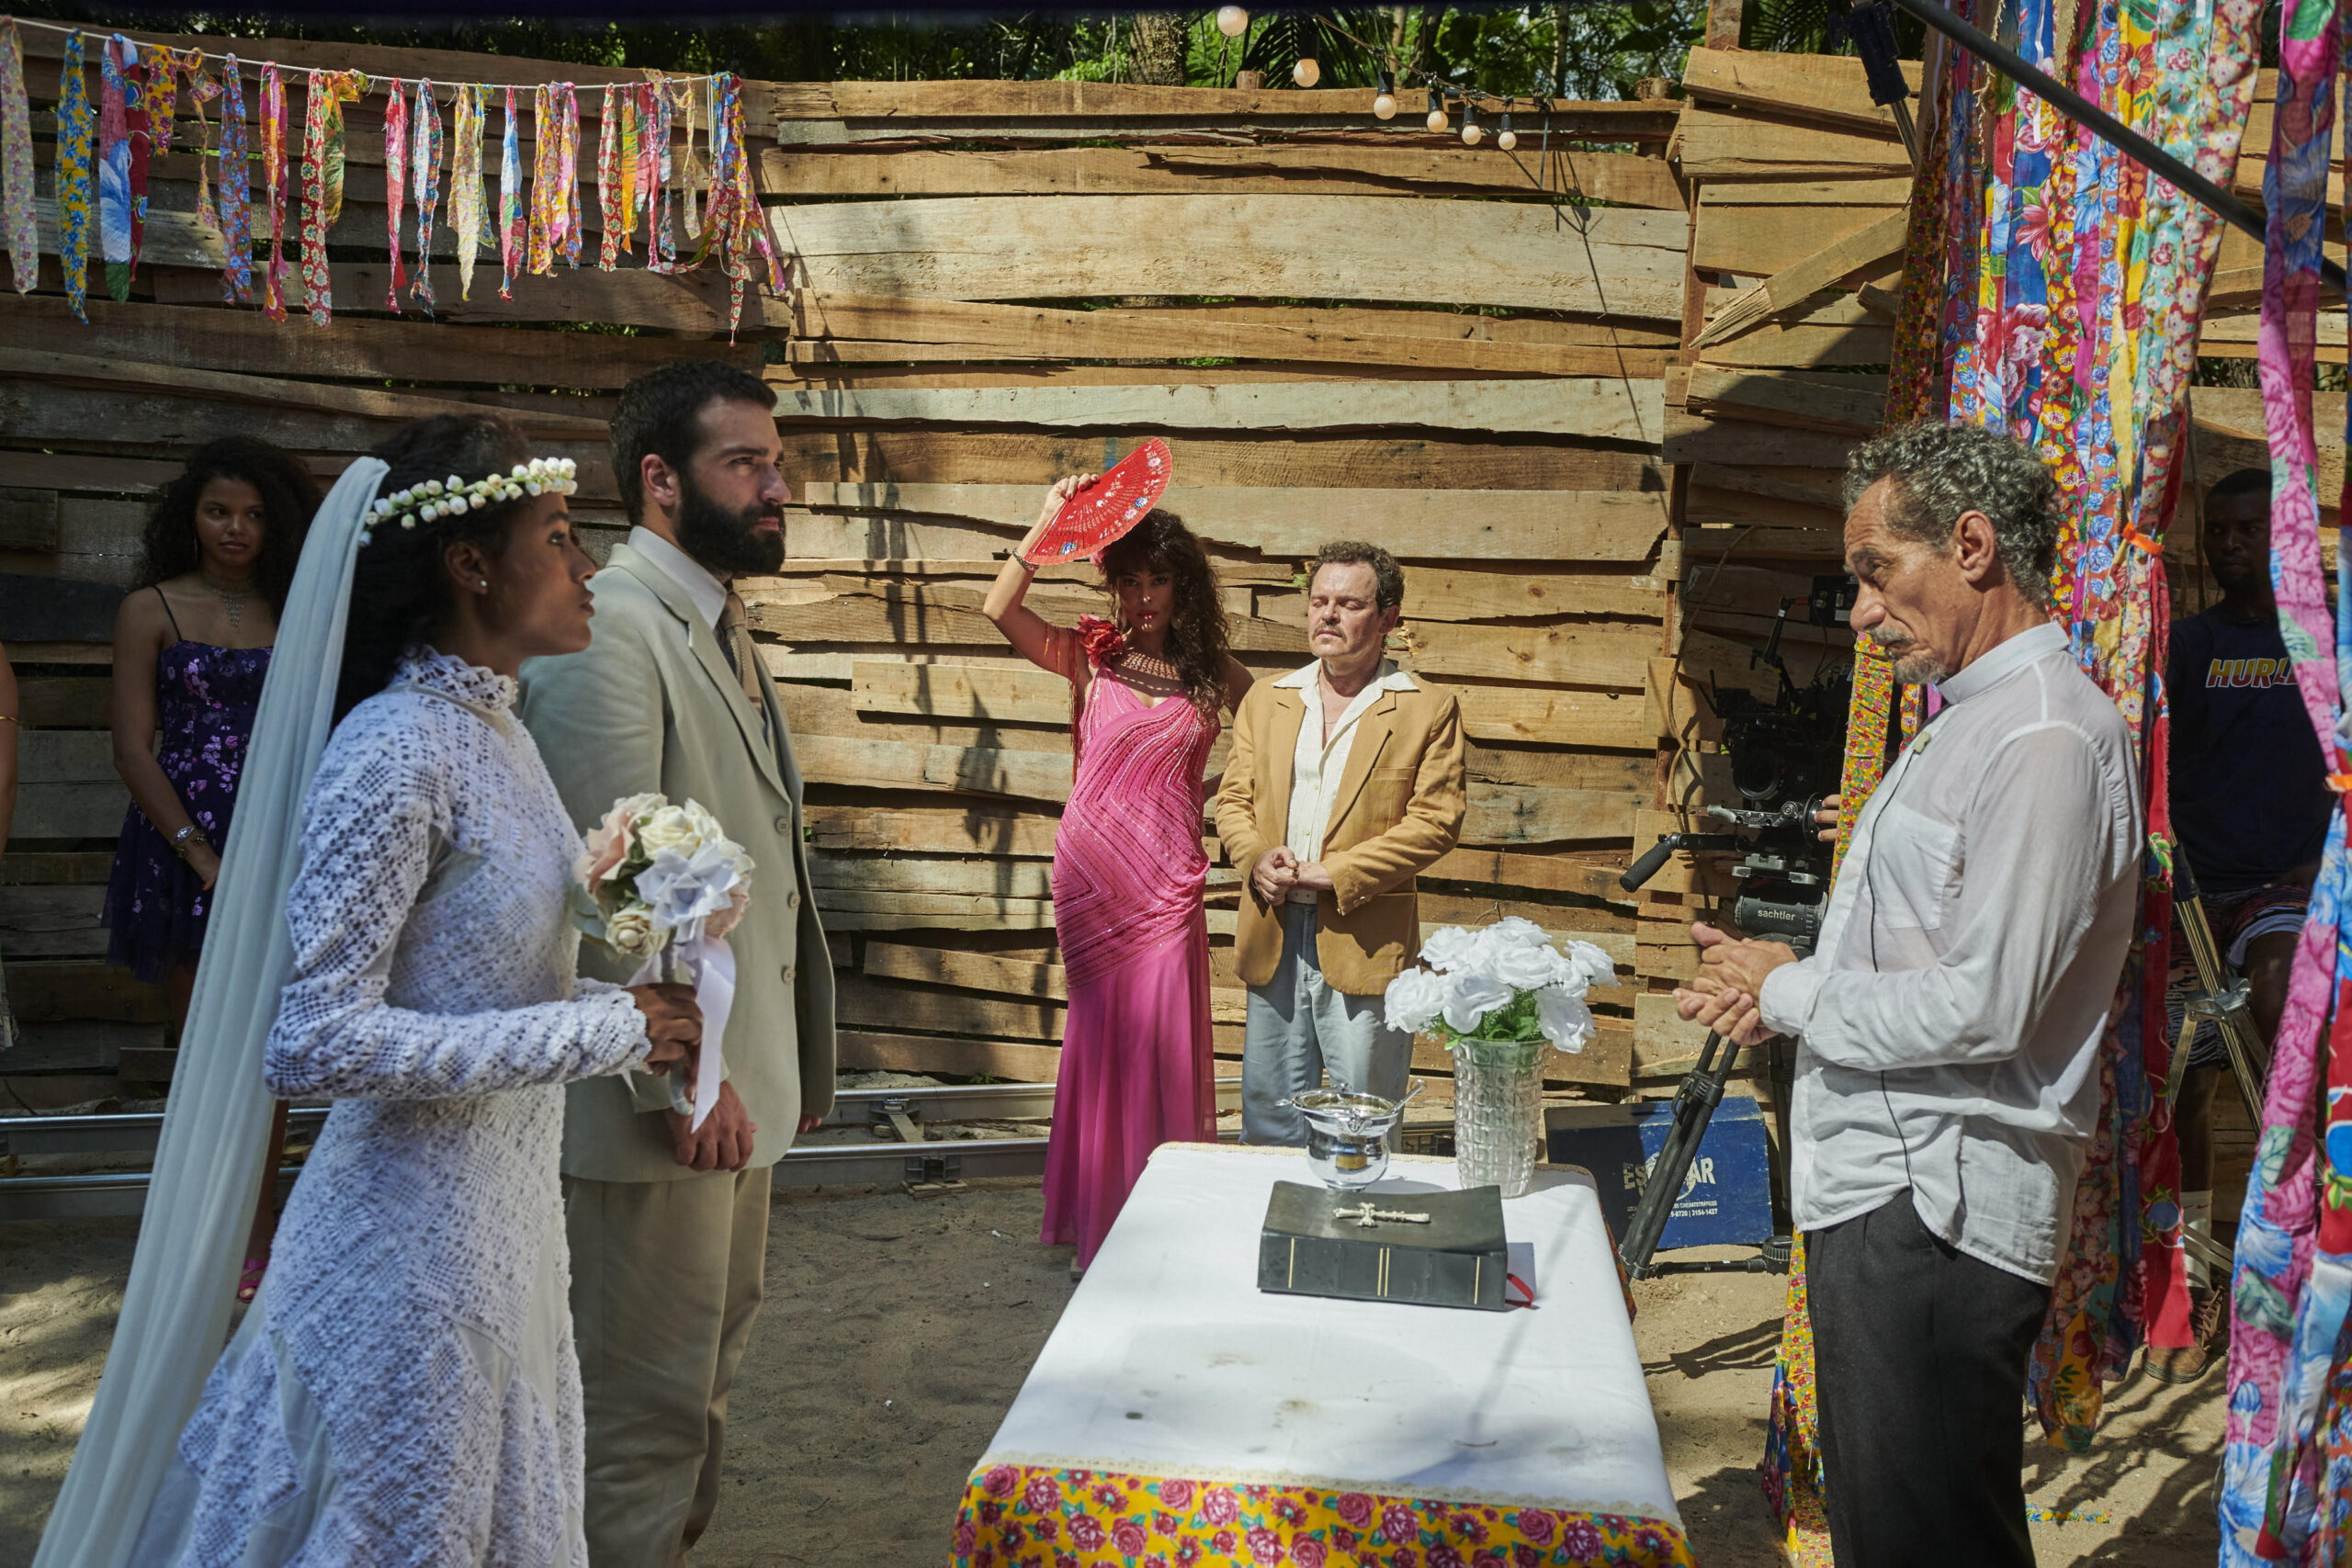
(664,884)
(1503,985)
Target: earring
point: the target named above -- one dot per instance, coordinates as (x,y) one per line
(481,585)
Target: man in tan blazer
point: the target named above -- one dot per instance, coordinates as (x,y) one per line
(668,1225)
(1344,782)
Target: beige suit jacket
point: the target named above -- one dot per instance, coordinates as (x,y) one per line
(652,705)
(1398,809)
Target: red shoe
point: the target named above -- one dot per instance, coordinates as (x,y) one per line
(249,1282)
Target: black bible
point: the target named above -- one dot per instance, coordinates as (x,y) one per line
(1430,1248)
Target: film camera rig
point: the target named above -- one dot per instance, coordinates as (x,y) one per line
(1786,755)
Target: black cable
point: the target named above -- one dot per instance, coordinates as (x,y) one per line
(2097,121)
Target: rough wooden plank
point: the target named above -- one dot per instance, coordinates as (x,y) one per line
(1507,814)
(1551,716)
(846,911)
(865,1050)
(63,702)
(84,868)
(1827,88)
(882,327)
(693,303)
(83,1046)
(51,921)
(1181,169)
(1695,439)
(28,520)
(1549,873)
(1619,261)
(351,346)
(1732,146)
(1591,408)
(1012,696)
(1579,655)
(48,609)
(43,992)
(893,873)
(919,617)
(65,756)
(1034,458)
(68,811)
(842,760)
(954,831)
(1471,593)
(1758,242)
(1450,525)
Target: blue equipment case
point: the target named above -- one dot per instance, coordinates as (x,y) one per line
(1727,1196)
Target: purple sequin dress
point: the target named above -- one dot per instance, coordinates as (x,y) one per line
(206,699)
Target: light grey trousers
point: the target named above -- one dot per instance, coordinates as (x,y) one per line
(1299,1028)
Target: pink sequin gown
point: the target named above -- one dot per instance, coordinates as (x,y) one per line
(1128,873)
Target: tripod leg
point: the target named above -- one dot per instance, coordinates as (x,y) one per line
(1694,1107)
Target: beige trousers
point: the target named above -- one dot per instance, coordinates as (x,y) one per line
(665,1280)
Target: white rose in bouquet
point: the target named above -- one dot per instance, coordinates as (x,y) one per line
(1414,1000)
(1529,968)
(1512,931)
(1600,969)
(1564,1019)
(667,828)
(1470,997)
(1450,947)
(630,931)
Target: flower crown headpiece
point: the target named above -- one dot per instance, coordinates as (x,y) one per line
(453,497)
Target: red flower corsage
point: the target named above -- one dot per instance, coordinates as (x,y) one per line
(1104,645)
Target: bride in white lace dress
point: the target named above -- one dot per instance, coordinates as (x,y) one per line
(406,1390)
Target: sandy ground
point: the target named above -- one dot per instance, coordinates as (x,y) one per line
(898,1330)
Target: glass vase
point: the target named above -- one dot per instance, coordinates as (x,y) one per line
(1498,1111)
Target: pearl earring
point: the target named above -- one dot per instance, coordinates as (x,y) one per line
(481,585)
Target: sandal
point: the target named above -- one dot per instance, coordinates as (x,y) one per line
(249,1282)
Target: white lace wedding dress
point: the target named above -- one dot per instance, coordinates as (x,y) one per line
(406,1390)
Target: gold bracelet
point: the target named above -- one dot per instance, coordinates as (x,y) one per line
(10,718)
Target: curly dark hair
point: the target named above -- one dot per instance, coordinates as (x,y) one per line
(288,498)
(1198,637)
(399,589)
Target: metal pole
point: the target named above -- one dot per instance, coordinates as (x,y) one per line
(2085,113)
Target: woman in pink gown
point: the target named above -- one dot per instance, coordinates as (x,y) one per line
(1128,870)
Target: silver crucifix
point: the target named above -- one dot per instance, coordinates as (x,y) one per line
(1367,1216)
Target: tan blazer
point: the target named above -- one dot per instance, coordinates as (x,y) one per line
(652,705)
(1398,809)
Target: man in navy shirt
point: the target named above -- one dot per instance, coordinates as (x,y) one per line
(2249,810)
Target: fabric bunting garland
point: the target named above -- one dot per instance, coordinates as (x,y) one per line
(18,233)
(467,215)
(734,222)
(567,235)
(512,230)
(395,189)
(235,220)
(76,130)
(546,206)
(660,238)
(276,151)
(425,178)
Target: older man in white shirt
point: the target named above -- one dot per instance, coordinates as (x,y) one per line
(1948,1021)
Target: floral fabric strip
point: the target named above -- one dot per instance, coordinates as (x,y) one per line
(540,241)
(566,233)
(1018,1515)
(201,90)
(236,222)
(276,153)
(123,160)
(611,198)
(466,213)
(395,189)
(18,230)
(661,237)
(322,158)
(424,178)
(512,228)
(2290,1281)
(76,131)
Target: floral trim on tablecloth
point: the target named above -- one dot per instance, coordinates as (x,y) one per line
(1032,1516)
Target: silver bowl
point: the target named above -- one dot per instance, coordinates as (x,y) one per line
(1347,1136)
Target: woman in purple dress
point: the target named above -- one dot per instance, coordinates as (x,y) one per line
(1128,869)
(191,646)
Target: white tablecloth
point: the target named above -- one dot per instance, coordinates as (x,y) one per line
(1169,1361)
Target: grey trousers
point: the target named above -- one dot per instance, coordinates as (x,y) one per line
(1921,1355)
(1299,1027)
(666,1278)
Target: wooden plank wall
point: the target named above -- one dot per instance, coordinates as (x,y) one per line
(1341,328)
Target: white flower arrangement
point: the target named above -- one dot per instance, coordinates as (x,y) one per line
(1504,983)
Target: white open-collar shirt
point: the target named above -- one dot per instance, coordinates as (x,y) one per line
(707,595)
(1316,765)
(1949,1023)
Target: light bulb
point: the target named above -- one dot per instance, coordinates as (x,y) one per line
(1307,73)
(1507,137)
(1472,131)
(1384,102)
(1437,120)
(1232,20)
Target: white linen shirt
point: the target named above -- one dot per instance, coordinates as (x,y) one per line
(704,592)
(1949,1022)
(1315,767)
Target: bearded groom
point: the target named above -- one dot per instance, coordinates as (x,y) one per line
(668,1225)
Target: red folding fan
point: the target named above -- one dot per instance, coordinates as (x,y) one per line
(1091,519)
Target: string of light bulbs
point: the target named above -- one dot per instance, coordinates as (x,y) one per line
(1233,21)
